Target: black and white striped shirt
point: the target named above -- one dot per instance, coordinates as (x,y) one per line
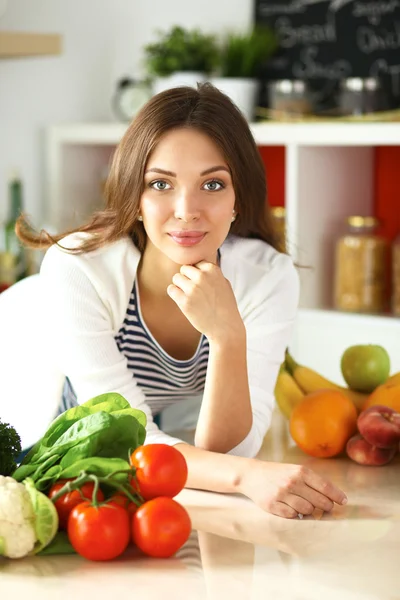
(163,379)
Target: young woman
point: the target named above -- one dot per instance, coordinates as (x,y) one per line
(177,288)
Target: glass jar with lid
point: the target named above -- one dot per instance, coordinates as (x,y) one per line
(279,219)
(361,96)
(289,98)
(360,283)
(396,276)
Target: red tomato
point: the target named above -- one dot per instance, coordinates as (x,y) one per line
(160,527)
(161,470)
(122,500)
(99,532)
(67,502)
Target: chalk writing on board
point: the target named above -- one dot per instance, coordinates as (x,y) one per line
(323,41)
(290,36)
(374,11)
(372,40)
(298,6)
(308,67)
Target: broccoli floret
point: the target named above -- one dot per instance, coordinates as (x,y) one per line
(10,447)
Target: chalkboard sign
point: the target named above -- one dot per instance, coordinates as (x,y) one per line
(323,41)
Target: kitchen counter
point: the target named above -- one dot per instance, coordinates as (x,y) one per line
(237,551)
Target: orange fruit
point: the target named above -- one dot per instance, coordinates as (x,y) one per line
(387,394)
(323,422)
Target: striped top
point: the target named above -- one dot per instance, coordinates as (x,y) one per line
(163,379)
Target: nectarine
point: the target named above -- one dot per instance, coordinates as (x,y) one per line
(363,453)
(380,426)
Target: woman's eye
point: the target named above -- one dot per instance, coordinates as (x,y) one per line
(214,185)
(159,185)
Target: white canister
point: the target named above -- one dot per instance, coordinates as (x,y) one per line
(242,91)
(180,78)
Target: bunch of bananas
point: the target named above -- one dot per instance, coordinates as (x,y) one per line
(296,381)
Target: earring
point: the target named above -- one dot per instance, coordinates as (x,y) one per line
(140,218)
(234,216)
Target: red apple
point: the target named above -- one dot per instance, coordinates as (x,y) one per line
(380,426)
(363,453)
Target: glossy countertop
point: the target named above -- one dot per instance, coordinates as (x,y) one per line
(237,551)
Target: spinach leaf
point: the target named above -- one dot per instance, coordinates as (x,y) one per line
(122,433)
(138,414)
(78,432)
(103,428)
(60,544)
(109,402)
(24,471)
(58,427)
(96,466)
(45,481)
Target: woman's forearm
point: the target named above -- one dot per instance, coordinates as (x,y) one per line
(225,416)
(212,471)
(283,489)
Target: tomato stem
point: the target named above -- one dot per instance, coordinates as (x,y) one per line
(95,490)
(132,470)
(84,477)
(70,486)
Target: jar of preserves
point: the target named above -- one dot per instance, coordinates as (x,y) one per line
(279,219)
(396,276)
(360,283)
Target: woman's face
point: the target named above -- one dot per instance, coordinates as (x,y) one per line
(188,199)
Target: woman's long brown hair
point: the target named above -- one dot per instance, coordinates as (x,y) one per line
(206,109)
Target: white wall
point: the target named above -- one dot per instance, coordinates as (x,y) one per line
(102,41)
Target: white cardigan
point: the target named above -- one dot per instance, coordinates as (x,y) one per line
(85,297)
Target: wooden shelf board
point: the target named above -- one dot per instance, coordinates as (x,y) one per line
(15,44)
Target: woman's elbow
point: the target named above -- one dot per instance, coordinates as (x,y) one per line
(245,448)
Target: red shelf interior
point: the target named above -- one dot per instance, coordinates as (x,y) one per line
(386,185)
(274,162)
(387,196)
(387,189)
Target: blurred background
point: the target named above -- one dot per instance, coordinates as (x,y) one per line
(318,81)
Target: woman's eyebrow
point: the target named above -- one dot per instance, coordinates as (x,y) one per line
(217,168)
(172,174)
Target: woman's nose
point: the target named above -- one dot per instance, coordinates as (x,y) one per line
(187,207)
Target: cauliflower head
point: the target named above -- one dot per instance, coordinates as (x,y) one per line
(17,519)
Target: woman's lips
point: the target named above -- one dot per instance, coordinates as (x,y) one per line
(187,238)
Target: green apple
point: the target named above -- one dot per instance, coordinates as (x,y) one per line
(364,367)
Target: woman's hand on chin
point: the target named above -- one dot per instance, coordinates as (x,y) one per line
(207,300)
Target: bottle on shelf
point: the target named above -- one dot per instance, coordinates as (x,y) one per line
(279,219)
(396,276)
(360,282)
(11,241)
(7,270)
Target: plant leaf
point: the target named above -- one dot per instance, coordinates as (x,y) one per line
(105,427)
(59,545)
(96,466)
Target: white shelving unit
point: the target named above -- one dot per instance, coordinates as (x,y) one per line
(328,176)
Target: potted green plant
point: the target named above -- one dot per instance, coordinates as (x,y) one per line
(241,57)
(180,57)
